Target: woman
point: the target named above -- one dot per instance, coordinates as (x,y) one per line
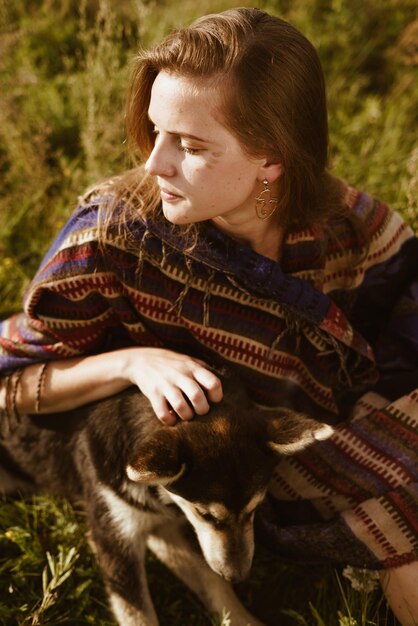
(234,246)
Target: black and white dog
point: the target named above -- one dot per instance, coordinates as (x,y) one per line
(187,492)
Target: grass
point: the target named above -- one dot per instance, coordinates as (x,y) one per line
(63,73)
(49,577)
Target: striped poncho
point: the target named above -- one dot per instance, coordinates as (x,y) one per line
(331,330)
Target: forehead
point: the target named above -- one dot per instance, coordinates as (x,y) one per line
(229,478)
(188,102)
(222,511)
(187,89)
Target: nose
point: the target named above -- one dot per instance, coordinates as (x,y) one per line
(234,572)
(161,160)
(236,577)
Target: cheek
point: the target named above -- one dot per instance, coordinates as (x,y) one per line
(241,177)
(206,171)
(217,182)
(240,188)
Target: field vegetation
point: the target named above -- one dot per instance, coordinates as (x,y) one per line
(63,73)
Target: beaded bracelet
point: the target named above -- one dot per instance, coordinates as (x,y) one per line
(5,383)
(39,386)
(11,385)
(15,380)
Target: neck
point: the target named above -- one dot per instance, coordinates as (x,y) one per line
(263,236)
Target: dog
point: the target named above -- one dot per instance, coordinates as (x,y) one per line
(188,492)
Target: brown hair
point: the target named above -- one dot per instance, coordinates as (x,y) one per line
(273,94)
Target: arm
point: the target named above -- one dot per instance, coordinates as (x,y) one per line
(73,307)
(171,381)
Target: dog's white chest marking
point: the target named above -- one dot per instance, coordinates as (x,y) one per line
(129,521)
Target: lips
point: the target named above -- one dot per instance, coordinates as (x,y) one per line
(169,193)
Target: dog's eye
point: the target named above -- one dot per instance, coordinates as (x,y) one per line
(208,517)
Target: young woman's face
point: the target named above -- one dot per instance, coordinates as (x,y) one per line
(201,169)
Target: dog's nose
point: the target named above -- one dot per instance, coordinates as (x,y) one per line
(235,575)
(235,578)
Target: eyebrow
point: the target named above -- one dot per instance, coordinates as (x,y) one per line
(189,136)
(185,135)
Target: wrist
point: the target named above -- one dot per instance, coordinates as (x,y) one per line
(128,361)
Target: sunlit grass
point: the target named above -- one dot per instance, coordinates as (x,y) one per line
(63,73)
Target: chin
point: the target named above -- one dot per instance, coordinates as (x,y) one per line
(176,218)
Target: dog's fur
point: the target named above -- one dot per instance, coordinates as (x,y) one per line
(143,484)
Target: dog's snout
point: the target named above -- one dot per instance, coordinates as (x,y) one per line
(233,572)
(237,577)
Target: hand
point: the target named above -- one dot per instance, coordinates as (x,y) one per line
(175,384)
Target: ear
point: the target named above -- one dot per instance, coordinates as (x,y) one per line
(271,170)
(157,460)
(292,432)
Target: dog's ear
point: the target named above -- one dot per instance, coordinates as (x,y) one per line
(289,432)
(157,459)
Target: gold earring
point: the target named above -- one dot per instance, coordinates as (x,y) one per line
(265,203)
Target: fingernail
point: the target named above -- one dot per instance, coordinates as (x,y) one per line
(168,420)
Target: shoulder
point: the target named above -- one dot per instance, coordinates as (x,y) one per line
(366,233)
(85,221)
(367,223)
(93,238)
(103,216)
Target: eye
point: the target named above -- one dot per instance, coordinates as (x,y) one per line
(187,149)
(208,517)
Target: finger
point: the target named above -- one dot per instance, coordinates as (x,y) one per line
(179,404)
(196,396)
(211,383)
(163,411)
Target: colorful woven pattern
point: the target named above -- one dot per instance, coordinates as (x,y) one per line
(331,330)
